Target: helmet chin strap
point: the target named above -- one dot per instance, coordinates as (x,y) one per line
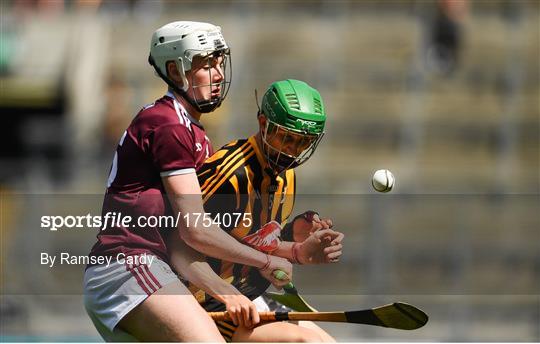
(208,106)
(203,108)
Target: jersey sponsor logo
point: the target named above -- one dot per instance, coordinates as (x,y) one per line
(198,147)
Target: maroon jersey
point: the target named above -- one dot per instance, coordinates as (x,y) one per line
(162,140)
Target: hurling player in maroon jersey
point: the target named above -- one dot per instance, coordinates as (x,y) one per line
(138,296)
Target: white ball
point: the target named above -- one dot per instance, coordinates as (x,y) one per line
(383,180)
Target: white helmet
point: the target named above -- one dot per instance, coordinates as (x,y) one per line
(180,42)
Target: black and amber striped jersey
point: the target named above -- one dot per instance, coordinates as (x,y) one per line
(242,194)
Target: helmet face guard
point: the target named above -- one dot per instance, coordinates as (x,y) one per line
(217,91)
(285,148)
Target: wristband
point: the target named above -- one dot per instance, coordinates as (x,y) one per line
(267,265)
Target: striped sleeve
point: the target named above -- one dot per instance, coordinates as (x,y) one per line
(232,161)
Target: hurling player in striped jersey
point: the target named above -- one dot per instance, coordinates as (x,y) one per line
(153,175)
(255,177)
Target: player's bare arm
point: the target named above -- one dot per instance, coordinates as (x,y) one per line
(192,265)
(184,191)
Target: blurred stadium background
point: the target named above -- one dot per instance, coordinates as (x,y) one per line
(443,93)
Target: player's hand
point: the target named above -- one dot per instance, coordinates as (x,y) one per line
(242,311)
(307,223)
(324,223)
(322,246)
(277,263)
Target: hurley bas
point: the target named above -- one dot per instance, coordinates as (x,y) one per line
(65,258)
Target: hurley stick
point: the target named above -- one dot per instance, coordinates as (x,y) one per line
(397,315)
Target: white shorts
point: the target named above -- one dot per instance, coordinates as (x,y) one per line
(111,292)
(261,304)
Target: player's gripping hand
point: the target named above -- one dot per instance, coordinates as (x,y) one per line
(322,246)
(242,311)
(277,263)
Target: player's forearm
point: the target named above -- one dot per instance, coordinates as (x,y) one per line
(284,250)
(204,277)
(210,239)
(192,266)
(185,197)
(216,243)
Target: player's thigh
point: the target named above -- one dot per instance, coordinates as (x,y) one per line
(322,333)
(171,314)
(276,332)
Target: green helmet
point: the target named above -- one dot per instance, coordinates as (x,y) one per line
(295,105)
(295,113)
